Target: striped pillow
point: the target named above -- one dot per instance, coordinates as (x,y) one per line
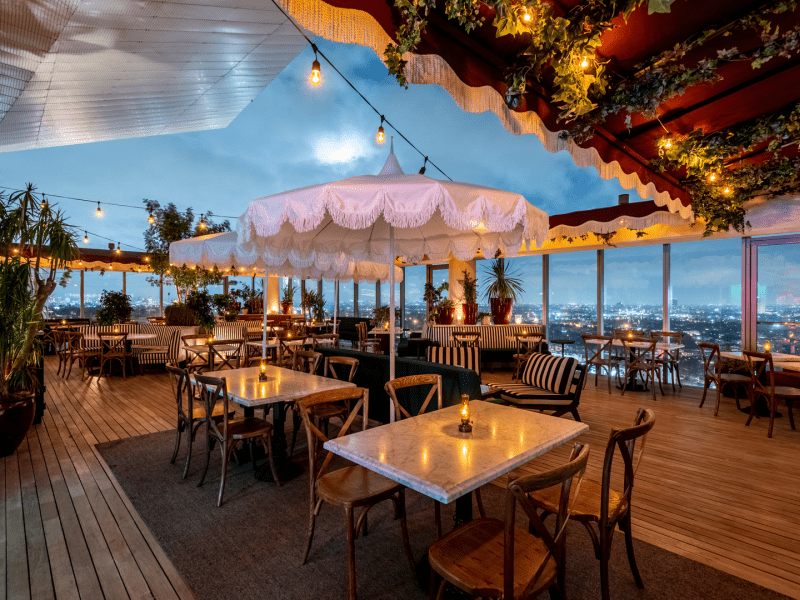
(552,373)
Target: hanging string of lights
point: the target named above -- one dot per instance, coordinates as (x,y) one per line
(316,79)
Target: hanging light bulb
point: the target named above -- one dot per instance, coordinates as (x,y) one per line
(526,16)
(668,143)
(315,78)
(151,219)
(712,177)
(85,237)
(146,259)
(584,63)
(118,251)
(44,202)
(202,222)
(99,210)
(422,170)
(727,191)
(381,138)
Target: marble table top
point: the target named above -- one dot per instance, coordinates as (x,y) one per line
(632,344)
(428,454)
(282,385)
(776,356)
(274,343)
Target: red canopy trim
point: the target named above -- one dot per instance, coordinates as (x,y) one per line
(635,216)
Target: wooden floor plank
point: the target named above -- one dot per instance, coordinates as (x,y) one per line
(18,585)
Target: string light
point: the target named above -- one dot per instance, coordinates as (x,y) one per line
(118,251)
(151,219)
(422,170)
(668,143)
(381,135)
(99,210)
(44,202)
(526,16)
(316,77)
(584,63)
(202,222)
(85,237)
(726,191)
(712,177)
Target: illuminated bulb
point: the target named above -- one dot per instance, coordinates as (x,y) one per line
(315,78)
(151,219)
(16,250)
(85,237)
(584,63)
(767,346)
(99,210)
(668,143)
(202,222)
(44,202)
(726,191)
(146,259)
(526,16)
(712,177)
(118,251)
(381,135)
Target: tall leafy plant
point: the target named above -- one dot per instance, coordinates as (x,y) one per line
(199,302)
(289,291)
(469,286)
(35,242)
(501,281)
(115,307)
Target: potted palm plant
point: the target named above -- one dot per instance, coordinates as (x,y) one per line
(433,297)
(502,287)
(35,242)
(470,305)
(287,304)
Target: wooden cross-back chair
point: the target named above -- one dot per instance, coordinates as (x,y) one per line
(114,347)
(491,558)
(763,385)
(599,503)
(400,413)
(229,432)
(72,349)
(466,337)
(641,360)
(220,354)
(306,361)
(195,362)
(601,356)
(671,359)
(191,414)
(625,334)
(712,373)
(366,343)
(328,340)
(350,487)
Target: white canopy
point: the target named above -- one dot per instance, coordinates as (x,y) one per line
(220,250)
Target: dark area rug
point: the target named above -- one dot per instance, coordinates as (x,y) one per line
(250,548)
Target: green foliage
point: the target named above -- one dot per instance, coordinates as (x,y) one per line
(433,297)
(470,287)
(289,291)
(171,225)
(223,303)
(179,315)
(314,303)
(501,281)
(199,302)
(380,315)
(38,232)
(250,297)
(115,307)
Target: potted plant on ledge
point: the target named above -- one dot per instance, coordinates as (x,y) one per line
(433,297)
(31,232)
(502,287)
(470,305)
(287,304)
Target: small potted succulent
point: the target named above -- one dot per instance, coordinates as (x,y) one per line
(470,305)
(287,304)
(502,287)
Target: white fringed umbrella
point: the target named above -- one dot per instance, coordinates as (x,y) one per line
(379,217)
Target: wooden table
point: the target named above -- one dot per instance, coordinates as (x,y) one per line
(282,386)
(428,454)
(132,337)
(201,349)
(663,346)
(563,343)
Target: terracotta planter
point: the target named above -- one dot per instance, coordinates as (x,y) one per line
(501,310)
(286,307)
(470,313)
(16,417)
(447,315)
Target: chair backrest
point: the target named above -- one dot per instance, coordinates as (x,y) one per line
(391,387)
(761,369)
(361,395)
(112,344)
(213,390)
(73,342)
(711,360)
(306,361)
(568,475)
(317,338)
(362,332)
(468,357)
(332,361)
(640,354)
(552,373)
(466,337)
(628,333)
(181,387)
(671,337)
(624,440)
(195,339)
(594,352)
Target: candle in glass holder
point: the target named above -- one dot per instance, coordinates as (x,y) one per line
(63,321)
(465,414)
(767,346)
(116,329)
(518,319)
(386,325)
(262,375)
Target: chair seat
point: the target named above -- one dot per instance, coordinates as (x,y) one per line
(471,557)
(147,349)
(248,427)
(520,393)
(787,392)
(354,486)
(734,377)
(328,411)
(199,413)
(587,506)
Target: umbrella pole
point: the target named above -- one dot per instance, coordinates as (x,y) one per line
(335,306)
(391,316)
(264,331)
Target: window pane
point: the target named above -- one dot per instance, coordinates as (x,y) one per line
(633,289)
(415,289)
(144,296)
(346,302)
(329,294)
(366,299)
(778,297)
(65,302)
(706,279)
(573,299)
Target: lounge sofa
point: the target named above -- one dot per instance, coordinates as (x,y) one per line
(373,373)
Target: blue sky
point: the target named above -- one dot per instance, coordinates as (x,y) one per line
(294,134)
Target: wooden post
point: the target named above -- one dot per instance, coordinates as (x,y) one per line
(83,315)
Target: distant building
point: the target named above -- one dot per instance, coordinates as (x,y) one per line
(674,302)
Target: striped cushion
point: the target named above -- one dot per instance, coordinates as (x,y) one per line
(551,373)
(469,358)
(493,337)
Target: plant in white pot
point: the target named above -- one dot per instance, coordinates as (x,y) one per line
(502,286)
(35,242)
